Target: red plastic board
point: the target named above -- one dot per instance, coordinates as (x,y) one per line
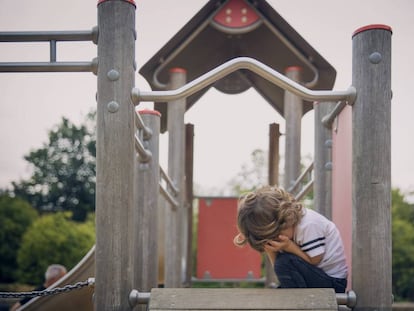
(217,256)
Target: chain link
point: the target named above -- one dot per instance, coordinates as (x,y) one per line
(48,292)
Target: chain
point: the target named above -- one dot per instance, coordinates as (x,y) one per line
(48,292)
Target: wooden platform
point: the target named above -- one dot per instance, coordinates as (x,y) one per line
(242,299)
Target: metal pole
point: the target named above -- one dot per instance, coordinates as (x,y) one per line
(371,169)
(293,108)
(49,67)
(145,214)
(115,155)
(322,188)
(39,36)
(175,219)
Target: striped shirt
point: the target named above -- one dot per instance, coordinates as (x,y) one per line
(316,235)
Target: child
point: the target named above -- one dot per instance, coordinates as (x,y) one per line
(304,247)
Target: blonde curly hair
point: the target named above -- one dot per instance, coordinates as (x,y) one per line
(263,214)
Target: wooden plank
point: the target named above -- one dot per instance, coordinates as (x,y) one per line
(242,299)
(238,309)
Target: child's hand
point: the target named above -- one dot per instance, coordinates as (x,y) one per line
(282,244)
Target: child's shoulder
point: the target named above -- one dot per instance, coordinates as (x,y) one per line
(313,216)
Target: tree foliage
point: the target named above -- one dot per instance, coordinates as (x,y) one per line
(63,176)
(252,175)
(402,247)
(16,216)
(53,239)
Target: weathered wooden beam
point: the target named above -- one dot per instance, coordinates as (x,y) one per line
(371,169)
(293,108)
(322,187)
(114,154)
(145,213)
(242,299)
(175,220)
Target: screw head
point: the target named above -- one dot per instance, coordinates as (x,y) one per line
(113,75)
(375,58)
(113,106)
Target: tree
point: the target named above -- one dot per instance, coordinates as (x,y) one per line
(252,175)
(63,176)
(52,239)
(402,247)
(16,216)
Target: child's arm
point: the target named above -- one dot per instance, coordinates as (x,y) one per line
(287,245)
(271,255)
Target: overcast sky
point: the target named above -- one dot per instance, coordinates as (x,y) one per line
(32,103)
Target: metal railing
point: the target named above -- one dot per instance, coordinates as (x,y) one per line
(52,37)
(169,191)
(145,155)
(330,117)
(301,192)
(235,64)
(166,186)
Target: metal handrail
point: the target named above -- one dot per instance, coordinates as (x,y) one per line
(251,64)
(39,36)
(139,124)
(305,190)
(52,37)
(301,178)
(169,197)
(328,119)
(145,155)
(170,187)
(169,181)
(50,67)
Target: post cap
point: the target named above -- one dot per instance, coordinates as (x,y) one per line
(149,111)
(371,27)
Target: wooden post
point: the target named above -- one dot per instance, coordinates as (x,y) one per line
(273,175)
(274,135)
(114,155)
(163,205)
(322,186)
(175,220)
(189,165)
(371,169)
(145,216)
(293,115)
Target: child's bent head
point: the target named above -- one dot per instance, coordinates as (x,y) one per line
(263,214)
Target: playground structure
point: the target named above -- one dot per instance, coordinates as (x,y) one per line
(128,188)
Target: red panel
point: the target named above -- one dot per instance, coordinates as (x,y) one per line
(217,256)
(236,14)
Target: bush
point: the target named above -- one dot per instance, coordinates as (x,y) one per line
(52,239)
(403,260)
(16,216)
(402,247)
